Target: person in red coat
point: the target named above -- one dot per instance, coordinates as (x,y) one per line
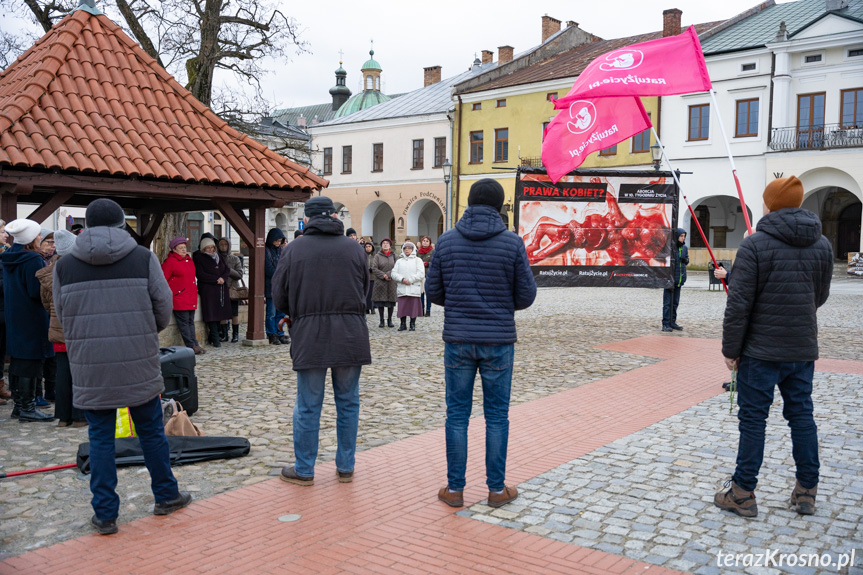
(179,270)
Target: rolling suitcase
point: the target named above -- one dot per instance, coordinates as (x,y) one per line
(178,371)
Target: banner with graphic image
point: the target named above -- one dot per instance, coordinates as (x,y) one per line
(598,227)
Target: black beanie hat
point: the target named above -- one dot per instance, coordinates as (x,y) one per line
(351,231)
(319,206)
(105,212)
(486,192)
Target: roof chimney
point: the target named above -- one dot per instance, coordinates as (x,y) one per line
(301,122)
(671,22)
(571,24)
(487,56)
(504,54)
(550,27)
(431,75)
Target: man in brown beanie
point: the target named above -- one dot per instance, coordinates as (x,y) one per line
(770,336)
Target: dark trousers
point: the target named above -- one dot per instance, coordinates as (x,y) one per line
(670,300)
(63,408)
(103,465)
(2,349)
(186,324)
(425,303)
(49,373)
(756,380)
(370,306)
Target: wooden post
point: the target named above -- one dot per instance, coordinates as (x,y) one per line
(257,301)
(8,206)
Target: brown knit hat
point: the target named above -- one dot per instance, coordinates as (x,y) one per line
(783,193)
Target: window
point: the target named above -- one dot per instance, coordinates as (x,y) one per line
(369,83)
(852,108)
(217,230)
(476,147)
(747,118)
(501,103)
(641,141)
(699,122)
(439,152)
(812,58)
(810,120)
(748,67)
(347,159)
(418,151)
(328,161)
(476,106)
(855,53)
(611,151)
(551,96)
(501,145)
(377,157)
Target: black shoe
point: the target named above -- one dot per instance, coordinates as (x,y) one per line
(274,340)
(169,507)
(235,337)
(390,323)
(428,314)
(666,328)
(413,324)
(223,332)
(27,402)
(284,340)
(382,324)
(726,385)
(107,527)
(404,325)
(676,327)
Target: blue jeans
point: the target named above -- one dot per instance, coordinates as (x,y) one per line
(494,363)
(307,416)
(273,317)
(756,380)
(103,467)
(670,301)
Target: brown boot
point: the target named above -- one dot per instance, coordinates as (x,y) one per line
(453,499)
(4,391)
(737,500)
(500,499)
(804,499)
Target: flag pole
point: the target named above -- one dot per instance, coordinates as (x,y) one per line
(694,218)
(731,159)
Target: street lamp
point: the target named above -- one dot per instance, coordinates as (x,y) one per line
(447,171)
(447,177)
(656,154)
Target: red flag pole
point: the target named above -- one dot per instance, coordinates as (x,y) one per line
(695,219)
(731,159)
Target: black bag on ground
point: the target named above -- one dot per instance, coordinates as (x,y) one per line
(178,371)
(184,450)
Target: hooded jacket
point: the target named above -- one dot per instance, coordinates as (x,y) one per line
(480,274)
(411,268)
(112,300)
(26,318)
(679,259)
(271,260)
(782,276)
(321,284)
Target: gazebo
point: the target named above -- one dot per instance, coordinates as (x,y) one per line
(86,113)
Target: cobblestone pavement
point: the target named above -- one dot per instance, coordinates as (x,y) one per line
(250,392)
(649,496)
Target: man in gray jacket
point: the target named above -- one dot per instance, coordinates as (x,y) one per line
(112,300)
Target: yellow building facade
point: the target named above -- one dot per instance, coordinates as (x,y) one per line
(508,123)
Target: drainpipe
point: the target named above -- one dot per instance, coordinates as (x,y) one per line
(456,165)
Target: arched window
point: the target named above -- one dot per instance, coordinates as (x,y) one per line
(369,83)
(378,83)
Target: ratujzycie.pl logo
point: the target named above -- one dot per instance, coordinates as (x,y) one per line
(583,114)
(622,60)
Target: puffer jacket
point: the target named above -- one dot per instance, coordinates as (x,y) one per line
(679,259)
(480,273)
(411,268)
(46,281)
(782,276)
(112,300)
(26,319)
(271,260)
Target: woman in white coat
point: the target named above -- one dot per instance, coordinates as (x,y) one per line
(409,273)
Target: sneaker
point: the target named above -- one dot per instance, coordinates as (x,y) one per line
(804,499)
(169,507)
(40,402)
(284,340)
(290,475)
(345,476)
(737,500)
(453,499)
(500,499)
(676,327)
(107,527)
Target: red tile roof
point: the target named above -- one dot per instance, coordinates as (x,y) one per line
(569,64)
(86,98)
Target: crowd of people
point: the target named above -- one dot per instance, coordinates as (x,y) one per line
(323,286)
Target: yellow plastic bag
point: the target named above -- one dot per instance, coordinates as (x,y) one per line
(125,426)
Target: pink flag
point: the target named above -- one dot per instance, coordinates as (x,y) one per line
(662,67)
(586,126)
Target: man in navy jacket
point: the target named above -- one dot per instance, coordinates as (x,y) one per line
(480,274)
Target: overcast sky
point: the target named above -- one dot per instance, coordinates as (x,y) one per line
(411,35)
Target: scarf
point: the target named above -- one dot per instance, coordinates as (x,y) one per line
(386,253)
(423,250)
(215,256)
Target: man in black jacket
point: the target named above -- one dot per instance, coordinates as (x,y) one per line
(770,335)
(320,284)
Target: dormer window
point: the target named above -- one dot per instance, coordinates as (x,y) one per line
(855,53)
(748,67)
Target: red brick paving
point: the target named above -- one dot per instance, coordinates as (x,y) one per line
(389,520)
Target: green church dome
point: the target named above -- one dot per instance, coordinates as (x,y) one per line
(361,101)
(371,63)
